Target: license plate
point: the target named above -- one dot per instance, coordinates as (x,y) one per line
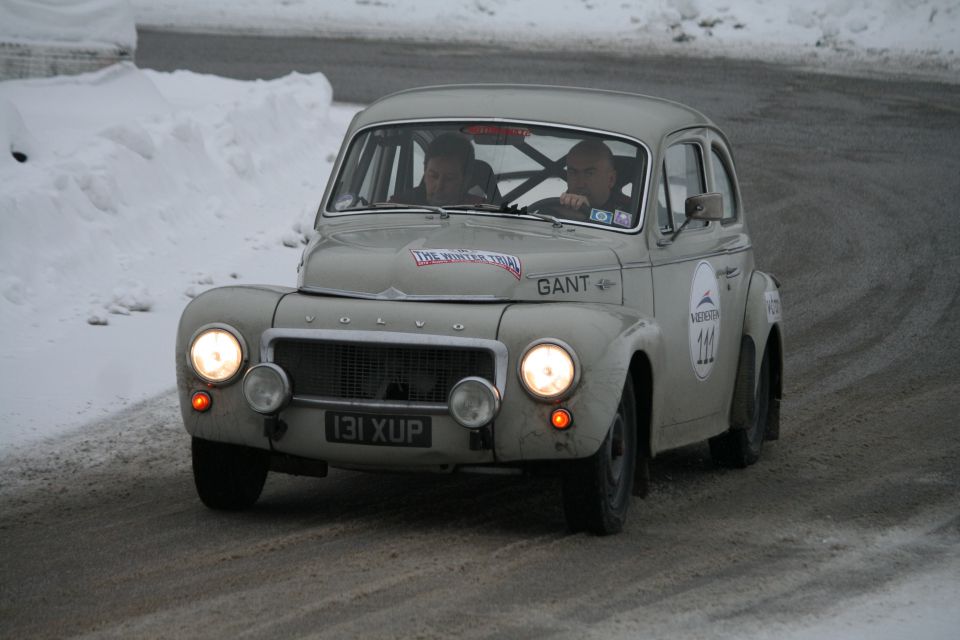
(378,430)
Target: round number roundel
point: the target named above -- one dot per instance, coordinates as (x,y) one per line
(704,334)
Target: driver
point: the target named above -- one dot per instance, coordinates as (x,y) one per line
(445,166)
(590,178)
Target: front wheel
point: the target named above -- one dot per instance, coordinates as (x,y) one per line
(596,491)
(227,476)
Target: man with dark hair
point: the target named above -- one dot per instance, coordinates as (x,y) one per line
(591,175)
(445,165)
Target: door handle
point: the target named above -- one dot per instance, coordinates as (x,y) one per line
(731,272)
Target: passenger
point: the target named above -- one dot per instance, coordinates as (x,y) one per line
(591,175)
(445,166)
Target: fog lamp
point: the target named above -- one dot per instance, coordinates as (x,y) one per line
(474,402)
(267,388)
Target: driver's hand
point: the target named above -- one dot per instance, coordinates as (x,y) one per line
(574,201)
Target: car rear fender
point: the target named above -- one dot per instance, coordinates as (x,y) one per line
(761,331)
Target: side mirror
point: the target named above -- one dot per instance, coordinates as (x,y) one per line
(706,206)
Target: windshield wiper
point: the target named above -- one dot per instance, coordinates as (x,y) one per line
(399,205)
(545,217)
(503,208)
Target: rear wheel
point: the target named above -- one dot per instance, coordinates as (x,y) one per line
(228,476)
(741,447)
(596,491)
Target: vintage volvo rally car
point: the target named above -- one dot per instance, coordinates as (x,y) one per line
(503,279)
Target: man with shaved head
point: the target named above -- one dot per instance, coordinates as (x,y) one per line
(590,178)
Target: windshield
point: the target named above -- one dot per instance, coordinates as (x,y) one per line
(494,168)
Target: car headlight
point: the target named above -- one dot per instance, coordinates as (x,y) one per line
(216,354)
(548,369)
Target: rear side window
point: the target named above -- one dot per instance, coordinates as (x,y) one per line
(724,184)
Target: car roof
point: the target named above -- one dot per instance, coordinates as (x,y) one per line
(644,117)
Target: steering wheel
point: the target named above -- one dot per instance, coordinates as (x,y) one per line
(553,207)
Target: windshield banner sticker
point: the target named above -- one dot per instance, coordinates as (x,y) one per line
(426,257)
(496,130)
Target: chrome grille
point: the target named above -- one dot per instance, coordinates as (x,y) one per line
(377,372)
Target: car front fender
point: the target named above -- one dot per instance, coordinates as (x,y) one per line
(604,339)
(249,311)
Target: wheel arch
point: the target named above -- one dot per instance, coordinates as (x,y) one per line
(775,347)
(641,372)
(762,333)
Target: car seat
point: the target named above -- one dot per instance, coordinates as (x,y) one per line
(482,183)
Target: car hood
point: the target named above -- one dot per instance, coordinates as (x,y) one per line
(466,258)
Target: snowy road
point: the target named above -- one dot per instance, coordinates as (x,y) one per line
(856,505)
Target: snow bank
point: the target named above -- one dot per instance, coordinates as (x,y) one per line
(909,34)
(138,191)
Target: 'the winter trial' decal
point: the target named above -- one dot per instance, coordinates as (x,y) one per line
(704,319)
(425,257)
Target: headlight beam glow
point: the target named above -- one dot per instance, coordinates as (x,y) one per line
(216,355)
(548,370)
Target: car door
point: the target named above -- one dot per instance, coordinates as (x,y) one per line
(698,288)
(735,256)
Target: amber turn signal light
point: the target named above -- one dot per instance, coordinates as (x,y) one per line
(561,419)
(201,401)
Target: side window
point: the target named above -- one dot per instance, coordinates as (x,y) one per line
(684,171)
(724,185)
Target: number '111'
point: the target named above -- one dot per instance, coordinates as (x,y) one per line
(705,342)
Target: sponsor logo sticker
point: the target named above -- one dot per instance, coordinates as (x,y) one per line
(704,320)
(428,257)
(601,216)
(622,218)
(772,300)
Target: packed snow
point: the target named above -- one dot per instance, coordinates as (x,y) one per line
(138,191)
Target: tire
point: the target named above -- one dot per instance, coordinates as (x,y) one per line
(741,447)
(597,490)
(228,477)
